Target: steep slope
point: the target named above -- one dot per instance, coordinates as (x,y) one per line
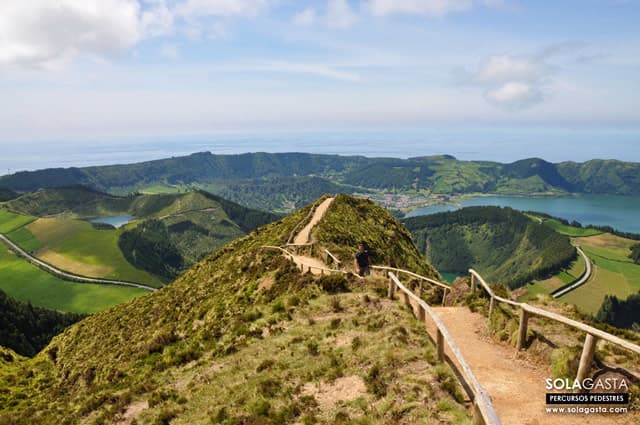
(244,337)
(503,244)
(351,220)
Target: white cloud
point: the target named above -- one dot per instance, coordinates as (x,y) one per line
(512,82)
(514,95)
(306,17)
(500,68)
(157,20)
(43,32)
(435,8)
(339,14)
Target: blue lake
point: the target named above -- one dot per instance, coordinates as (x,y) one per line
(619,212)
(116,221)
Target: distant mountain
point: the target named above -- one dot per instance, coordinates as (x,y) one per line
(501,243)
(282,181)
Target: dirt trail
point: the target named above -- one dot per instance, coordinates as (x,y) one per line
(516,387)
(303,236)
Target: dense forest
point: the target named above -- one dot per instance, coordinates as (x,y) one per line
(7,194)
(27,329)
(501,243)
(252,178)
(149,248)
(620,313)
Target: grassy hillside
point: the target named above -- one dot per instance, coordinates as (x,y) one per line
(504,245)
(351,220)
(230,322)
(293,178)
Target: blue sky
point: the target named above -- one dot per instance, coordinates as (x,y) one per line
(80,69)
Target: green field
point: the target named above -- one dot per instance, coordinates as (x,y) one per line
(25,282)
(76,246)
(575,232)
(10,221)
(614,273)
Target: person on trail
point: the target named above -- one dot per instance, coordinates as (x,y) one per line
(362,260)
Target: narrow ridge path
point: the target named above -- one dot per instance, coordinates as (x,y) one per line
(515,385)
(303,236)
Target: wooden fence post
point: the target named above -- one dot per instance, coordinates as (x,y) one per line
(422,314)
(440,345)
(491,306)
(392,289)
(587,356)
(522,329)
(473,283)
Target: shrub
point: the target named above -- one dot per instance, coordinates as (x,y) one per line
(333,283)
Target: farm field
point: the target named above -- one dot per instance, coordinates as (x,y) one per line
(25,282)
(614,273)
(78,247)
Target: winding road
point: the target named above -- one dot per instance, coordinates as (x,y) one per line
(66,275)
(579,282)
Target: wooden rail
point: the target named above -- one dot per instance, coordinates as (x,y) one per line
(480,396)
(527,310)
(417,276)
(335,259)
(302,264)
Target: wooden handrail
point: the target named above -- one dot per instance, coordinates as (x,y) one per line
(412,274)
(526,310)
(309,266)
(482,399)
(560,318)
(333,257)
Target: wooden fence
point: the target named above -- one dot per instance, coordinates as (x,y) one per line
(526,311)
(480,397)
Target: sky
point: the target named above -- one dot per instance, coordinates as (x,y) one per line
(77,70)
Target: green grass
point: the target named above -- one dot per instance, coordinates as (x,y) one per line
(572,231)
(10,221)
(25,282)
(25,239)
(79,242)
